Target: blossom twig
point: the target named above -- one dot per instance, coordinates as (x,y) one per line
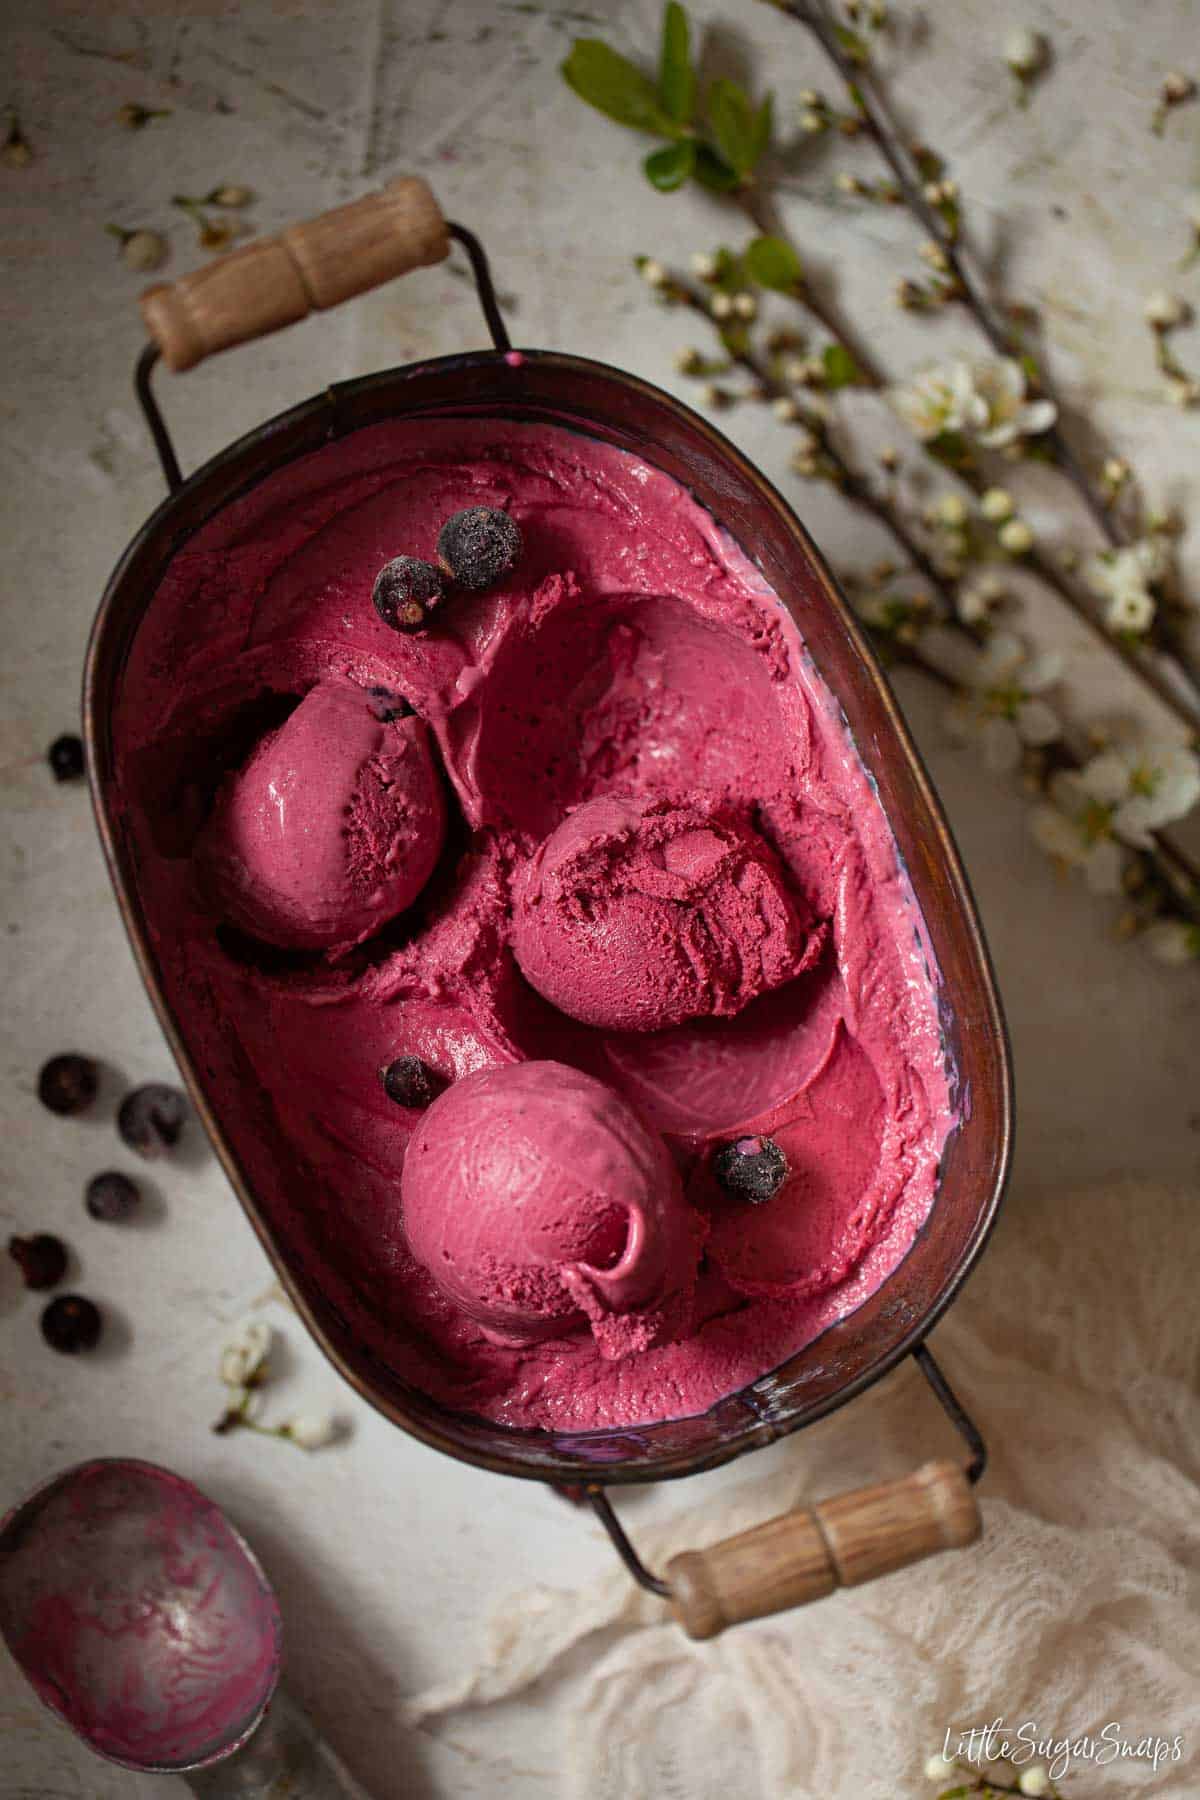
(1181,877)
(845,476)
(1104,802)
(245,1368)
(889,139)
(871,376)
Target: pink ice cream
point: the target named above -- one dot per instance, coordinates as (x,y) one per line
(639,913)
(333,826)
(665,870)
(539,1202)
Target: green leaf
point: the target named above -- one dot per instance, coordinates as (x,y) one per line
(841,370)
(676,76)
(733,125)
(729,277)
(772,263)
(668,168)
(713,172)
(764,121)
(613,85)
(854,46)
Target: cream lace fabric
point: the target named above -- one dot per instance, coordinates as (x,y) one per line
(1077,1346)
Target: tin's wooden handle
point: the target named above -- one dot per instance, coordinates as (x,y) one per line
(276,281)
(805,1555)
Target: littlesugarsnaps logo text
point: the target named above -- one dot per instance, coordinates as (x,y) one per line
(1028,1743)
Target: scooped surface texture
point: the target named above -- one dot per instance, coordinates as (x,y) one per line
(595,848)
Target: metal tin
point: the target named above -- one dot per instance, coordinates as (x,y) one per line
(620,409)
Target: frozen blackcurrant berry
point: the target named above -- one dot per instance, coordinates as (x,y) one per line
(151,1118)
(65,757)
(406,591)
(111,1196)
(410,1082)
(71,1324)
(751,1168)
(67,1084)
(42,1259)
(479,546)
(389,706)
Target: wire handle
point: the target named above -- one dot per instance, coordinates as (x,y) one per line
(806,1554)
(277,281)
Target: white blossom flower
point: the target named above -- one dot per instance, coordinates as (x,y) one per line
(1164,311)
(785,409)
(1015,537)
(312,1431)
(1173,941)
(1183,392)
(951,510)
(935,401)
(721,306)
(975,597)
(1034,1781)
(653,273)
(811,122)
(745,306)
(1000,385)
(985,400)
(244,1356)
(1145,785)
(939,1768)
(1131,610)
(1024,50)
(1177,87)
(144,250)
(1124,579)
(1002,702)
(1116,799)
(997,505)
(704,264)
(689,361)
(804,452)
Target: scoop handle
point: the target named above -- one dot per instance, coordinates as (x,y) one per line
(806,1554)
(276,281)
(286,1759)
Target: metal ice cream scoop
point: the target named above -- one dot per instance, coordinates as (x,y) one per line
(142,1618)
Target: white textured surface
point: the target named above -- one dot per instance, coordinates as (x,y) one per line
(388,1557)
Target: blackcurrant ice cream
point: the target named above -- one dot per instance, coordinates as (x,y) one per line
(620,866)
